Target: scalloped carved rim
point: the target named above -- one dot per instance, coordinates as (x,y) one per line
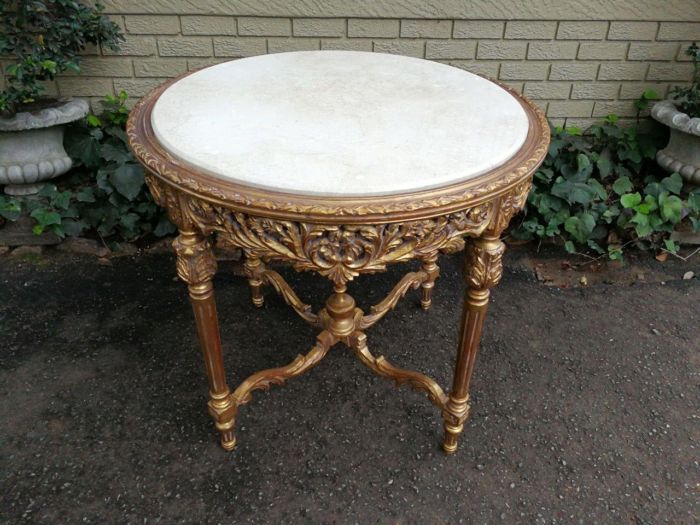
(335,210)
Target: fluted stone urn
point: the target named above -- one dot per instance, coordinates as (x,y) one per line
(31,145)
(682,154)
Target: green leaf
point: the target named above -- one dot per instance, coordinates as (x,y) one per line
(62,200)
(580,226)
(574,192)
(109,152)
(45,217)
(622,185)
(650,94)
(604,166)
(614,252)
(671,246)
(128,180)
(83,146)
(598,188)
(670,207)
(93,121)
(10,209)
(694,202)
(86,194)
(673,183)
(630,200)
(164,226)
(569,247)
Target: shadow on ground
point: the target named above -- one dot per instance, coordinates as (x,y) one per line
(585,405)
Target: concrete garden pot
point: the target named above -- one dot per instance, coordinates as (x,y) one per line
(31,146)
(682,154)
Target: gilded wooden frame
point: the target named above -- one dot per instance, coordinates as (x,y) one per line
(339,238)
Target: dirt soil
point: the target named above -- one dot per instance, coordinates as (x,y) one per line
(586,403)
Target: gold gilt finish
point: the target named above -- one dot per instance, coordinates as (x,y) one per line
(339,238)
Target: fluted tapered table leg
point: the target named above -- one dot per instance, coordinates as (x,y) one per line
(196,266)
(483,269)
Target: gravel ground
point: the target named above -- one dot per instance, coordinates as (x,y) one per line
(586,405)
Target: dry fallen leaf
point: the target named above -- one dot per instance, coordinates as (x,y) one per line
(688,275)
(583,280)
(661,257)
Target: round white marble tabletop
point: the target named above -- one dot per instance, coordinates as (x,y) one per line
(339,123)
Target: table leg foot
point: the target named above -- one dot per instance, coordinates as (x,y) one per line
(455,413)
(228,437)
(429,266)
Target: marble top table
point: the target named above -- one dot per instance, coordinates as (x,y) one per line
(340,163)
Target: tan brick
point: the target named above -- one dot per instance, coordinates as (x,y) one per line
(134,46)
(595,90)
(318,27)
(159,67)
(570,108)
(581,123)
(602,51)
(282,45)
(552,50)
(137,87)
(652,51)
(501,50)
(372,28)
(619,108)
(411,48)
(119,20)
(186,46)
(426,28)
(479,67)
(450,49)
(208,25)
(152,24)
(90,50)
(573,71)
(622,71)
(50,88)
(245,46)
(557,122)
(84,86)
(252,26)
(515,86)
(354,44)
(547,90)
(477,29)
(199,63)
(582,30)
(679,31)
(524,71)
(682,56)
(632,31)
(634,90)
(529,30)
(682,72)
(104,67)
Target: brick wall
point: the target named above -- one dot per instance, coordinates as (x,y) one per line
(575,65)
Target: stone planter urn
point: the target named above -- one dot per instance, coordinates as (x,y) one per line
(31,145)
(682,154)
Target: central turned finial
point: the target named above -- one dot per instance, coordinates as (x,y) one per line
(342,315)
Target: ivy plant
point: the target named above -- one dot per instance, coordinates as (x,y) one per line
(44,38)
(600,190)
(105,194)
